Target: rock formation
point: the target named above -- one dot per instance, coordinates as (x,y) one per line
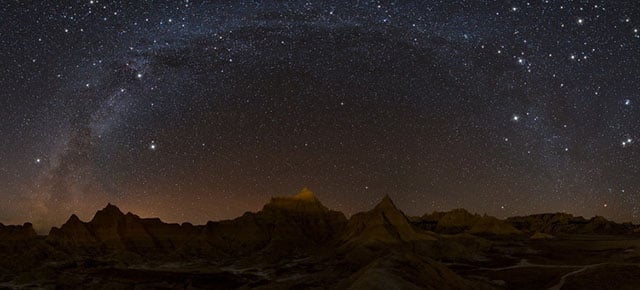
(285,226)
(460,221)
(385,224)
(111,231)
(562,223)
(292,242)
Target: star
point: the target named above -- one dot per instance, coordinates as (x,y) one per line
(224,89)
(627,142)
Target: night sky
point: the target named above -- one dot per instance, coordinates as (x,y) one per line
(196,111)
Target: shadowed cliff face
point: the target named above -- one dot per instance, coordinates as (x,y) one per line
(297,242)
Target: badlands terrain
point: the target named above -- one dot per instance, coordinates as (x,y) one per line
(298,243)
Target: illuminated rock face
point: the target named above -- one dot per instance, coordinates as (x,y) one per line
(305,201)
(305,194)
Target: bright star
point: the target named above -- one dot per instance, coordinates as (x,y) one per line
(153,146)
(627,142)
(627,102)
(515,118)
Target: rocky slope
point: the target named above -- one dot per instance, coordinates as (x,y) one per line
(385,224)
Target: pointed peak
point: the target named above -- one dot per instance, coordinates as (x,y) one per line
(111,207)
(110,212)
(74,218)
(386,203)
(305,194)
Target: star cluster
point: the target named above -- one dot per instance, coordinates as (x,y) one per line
(201,110)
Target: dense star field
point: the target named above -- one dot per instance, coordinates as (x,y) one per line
(196,111)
